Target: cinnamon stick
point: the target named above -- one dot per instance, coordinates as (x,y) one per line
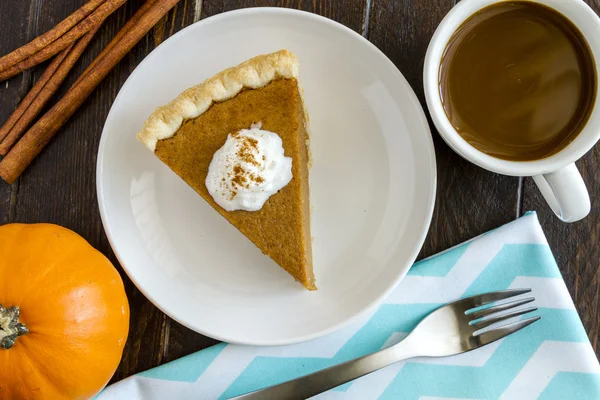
(47,92)
(30,145)
(30,97)
(93,20)
(134,20)
(53,34)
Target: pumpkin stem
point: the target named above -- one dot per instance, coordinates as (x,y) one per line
(10,327)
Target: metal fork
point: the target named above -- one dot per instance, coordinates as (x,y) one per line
(452,329)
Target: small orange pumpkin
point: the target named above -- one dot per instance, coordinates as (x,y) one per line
(64,315)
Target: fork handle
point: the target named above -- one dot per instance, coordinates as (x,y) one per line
(321,381)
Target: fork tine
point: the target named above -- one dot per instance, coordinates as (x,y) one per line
(489,321)
(486,298)
(505,330)
(502,307)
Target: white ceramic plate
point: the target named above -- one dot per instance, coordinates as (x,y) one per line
(372,185)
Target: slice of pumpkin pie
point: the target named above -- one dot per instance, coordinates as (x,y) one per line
(240,140)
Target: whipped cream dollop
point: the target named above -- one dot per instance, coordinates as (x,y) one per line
(248,169)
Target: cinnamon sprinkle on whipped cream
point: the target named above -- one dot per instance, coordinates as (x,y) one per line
(248,169)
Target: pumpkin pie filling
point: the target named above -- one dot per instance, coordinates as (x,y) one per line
(281,228)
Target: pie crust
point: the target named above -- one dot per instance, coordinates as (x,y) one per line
(255,73)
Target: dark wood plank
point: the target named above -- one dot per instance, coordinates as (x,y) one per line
(594,4)
(183,341)
(348,12)
(470,200)
(18,26)
(5,199)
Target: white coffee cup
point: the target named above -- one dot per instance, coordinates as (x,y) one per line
(557,176)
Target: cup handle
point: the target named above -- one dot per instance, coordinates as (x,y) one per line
(565,192)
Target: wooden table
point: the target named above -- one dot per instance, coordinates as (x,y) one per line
(59,187)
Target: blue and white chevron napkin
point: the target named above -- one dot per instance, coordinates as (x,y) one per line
(552,359)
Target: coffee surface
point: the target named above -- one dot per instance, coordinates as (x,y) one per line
(518,81)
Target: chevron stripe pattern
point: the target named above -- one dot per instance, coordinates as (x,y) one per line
(552,360)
